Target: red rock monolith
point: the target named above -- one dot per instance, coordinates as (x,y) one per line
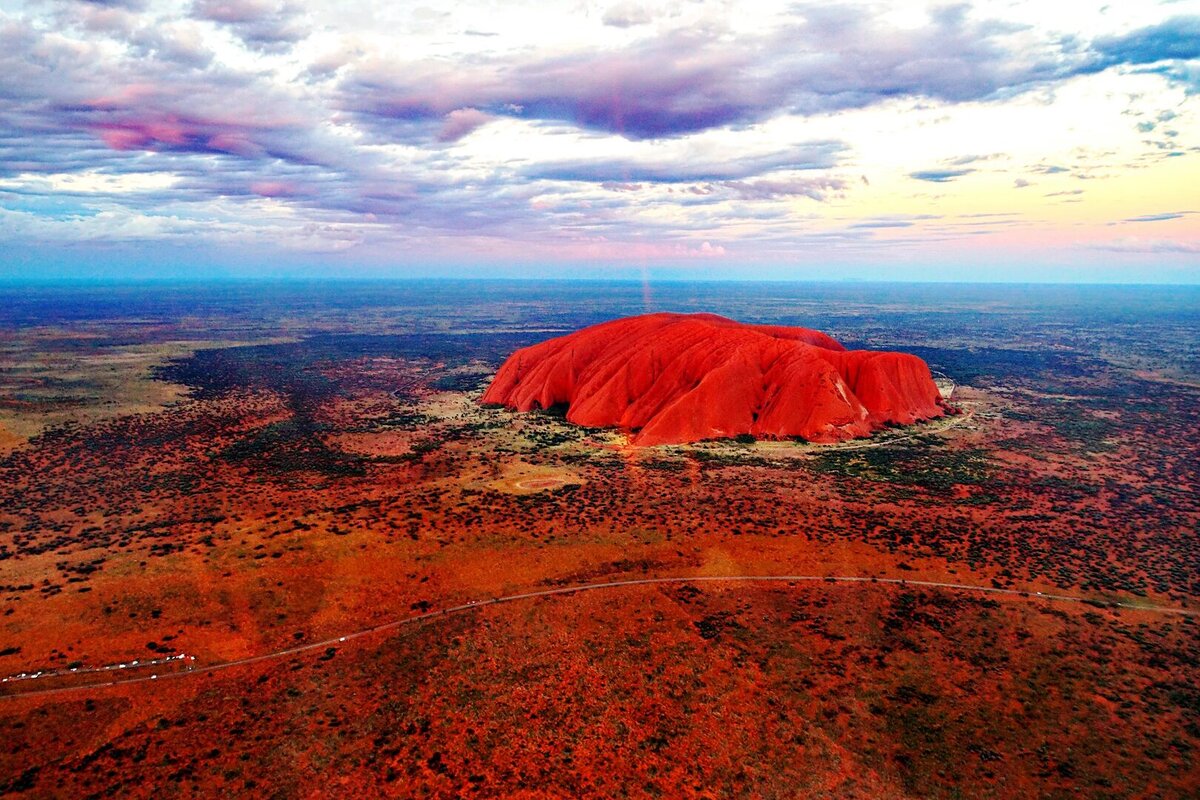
(673,378)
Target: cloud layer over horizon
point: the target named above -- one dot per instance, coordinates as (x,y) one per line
(394,137)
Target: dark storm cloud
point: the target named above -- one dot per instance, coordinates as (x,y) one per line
(939,175)
(689,167)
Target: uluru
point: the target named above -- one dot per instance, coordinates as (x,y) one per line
(671,378)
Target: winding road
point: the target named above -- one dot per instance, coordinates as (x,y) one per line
(473,605)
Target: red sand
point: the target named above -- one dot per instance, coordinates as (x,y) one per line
(673,378)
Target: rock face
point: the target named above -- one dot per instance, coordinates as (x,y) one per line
(673,378)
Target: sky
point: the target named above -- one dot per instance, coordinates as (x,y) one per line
(1007,140)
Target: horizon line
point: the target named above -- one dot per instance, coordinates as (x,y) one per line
(7,282)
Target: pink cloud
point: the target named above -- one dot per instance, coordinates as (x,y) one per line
(143,134)
(236,143)
(123,138)
(460,122)
(274,189)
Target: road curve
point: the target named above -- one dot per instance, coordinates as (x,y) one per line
(473,605)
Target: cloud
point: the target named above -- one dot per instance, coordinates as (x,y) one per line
(214,138)
(620,186)
(689,80)
(962,161)
(130,4)
(1135,245)
(939,175)
(1183,73)
(883,223)
(1175,39)
(67,104)
(658,251)
(892,221)
(138,120)
(1173,45)
(262,25)
(460,122)
(1159,217)
(276,189)
(626,15)
(688,165)
(648,91)
(812,188)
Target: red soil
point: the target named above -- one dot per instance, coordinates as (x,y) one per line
(672,378)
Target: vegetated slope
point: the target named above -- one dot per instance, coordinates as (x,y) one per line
(672,378)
